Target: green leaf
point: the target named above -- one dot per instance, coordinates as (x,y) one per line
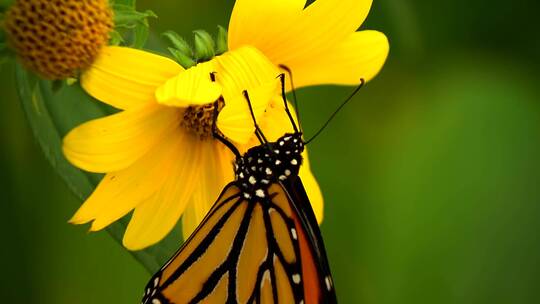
(131,3)
(51,115)
(185,61)
(178,43)
(180,49)
(140,35)
(204,46)
(127,17)
(222,44)
(134,23)
(116,38)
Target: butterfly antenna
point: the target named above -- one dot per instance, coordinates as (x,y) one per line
(258,132)
(362,82)
(293,90)
(284,96)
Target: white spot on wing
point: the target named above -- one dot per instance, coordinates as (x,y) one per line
(328,282)
(259,193)
(268,171)
(287,172)
(252,180)
(294,162)
(293,232)
(296,278)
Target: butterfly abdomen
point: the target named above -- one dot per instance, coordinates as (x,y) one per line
(266,164)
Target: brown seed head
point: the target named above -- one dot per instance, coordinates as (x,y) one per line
(199,119)
(58,38)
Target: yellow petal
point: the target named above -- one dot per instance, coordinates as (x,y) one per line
(195,212)
(252,23)
(361,55)
(192,87)
(216,173)
(312,188)
(235,120)
(120,192)
(275,122)
(242,69)
(117,141)
(321,25)
(124,77)
(153,219)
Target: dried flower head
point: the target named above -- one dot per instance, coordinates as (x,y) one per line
(58,38)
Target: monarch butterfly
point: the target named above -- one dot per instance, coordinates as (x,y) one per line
(259,243)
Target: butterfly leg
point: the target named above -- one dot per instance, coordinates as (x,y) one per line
(217,135)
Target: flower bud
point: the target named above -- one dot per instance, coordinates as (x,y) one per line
(204,46)
(221,41)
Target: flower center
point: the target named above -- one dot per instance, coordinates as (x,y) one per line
(199,119)
(57,39)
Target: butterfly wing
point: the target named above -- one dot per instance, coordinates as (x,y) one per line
(249,251)
(179,279)
(318,285)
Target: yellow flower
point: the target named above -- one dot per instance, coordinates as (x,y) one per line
(158,153)
(318,43)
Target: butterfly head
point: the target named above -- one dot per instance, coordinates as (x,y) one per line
(268,163)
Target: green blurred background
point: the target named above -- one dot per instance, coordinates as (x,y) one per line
(431,175)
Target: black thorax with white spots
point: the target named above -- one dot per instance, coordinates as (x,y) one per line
(268,163)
